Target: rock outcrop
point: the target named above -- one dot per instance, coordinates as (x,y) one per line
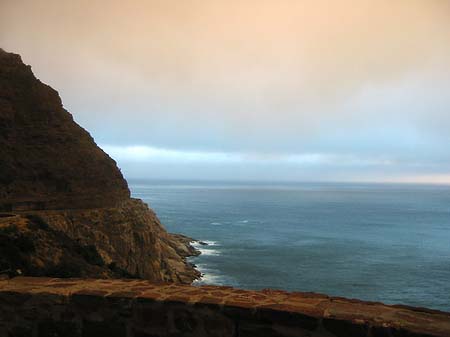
(67,198)
(47,160)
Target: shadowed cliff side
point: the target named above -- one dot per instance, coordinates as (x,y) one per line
(47,160)
(68,197)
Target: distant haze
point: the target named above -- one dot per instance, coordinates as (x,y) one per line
(319,90)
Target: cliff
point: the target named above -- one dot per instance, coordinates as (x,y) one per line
(65,198)
(48,161)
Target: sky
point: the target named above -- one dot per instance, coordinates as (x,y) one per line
(272,90)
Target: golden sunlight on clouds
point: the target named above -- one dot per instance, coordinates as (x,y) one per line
(306,52)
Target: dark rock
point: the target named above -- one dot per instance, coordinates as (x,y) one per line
(345,328)
(110,329)
(48,161)
(67,199)
(57,329)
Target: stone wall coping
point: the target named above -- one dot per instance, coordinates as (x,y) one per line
(420,321)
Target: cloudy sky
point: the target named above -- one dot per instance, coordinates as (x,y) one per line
(305,90)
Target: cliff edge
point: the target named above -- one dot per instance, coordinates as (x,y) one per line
(65,208)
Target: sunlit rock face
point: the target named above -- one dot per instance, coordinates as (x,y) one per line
(52,170)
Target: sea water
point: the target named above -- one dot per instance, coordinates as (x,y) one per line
(377,242)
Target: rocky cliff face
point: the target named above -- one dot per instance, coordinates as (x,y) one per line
(47,160)
(67,198)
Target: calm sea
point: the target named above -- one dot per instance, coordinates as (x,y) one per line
(379,242)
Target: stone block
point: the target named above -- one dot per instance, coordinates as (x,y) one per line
(106,328)
(50,328)
(341,328)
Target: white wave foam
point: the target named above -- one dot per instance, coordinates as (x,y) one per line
(206,250)
(216,223)
(211,243)
(203,243)
(209,252)
(209,276)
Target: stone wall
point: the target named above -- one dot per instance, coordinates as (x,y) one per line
(136,308)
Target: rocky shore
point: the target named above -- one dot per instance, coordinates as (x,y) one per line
(65,208)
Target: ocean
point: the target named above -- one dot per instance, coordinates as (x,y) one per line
(377,242)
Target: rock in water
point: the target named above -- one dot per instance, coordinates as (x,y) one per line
(52,170)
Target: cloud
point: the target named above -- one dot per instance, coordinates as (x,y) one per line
(147,154)
(152,154)
(324,81)
(162,163)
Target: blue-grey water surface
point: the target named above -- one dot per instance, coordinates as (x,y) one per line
(380,242)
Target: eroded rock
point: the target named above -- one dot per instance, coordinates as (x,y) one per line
(52,170)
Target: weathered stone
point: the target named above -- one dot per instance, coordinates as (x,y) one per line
(123,295)
(88,300)
(216,324)
(257,330)
(153,315)
(13,298)
(288,318)
(399,332)
(20,331)
(97,329)
(140,333)
(184,320)
(57,329)
(345,328)
(92,310)
(380,332)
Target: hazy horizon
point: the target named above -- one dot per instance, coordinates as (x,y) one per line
(338,91)
(278,184)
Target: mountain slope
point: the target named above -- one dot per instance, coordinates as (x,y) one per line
(51,169)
